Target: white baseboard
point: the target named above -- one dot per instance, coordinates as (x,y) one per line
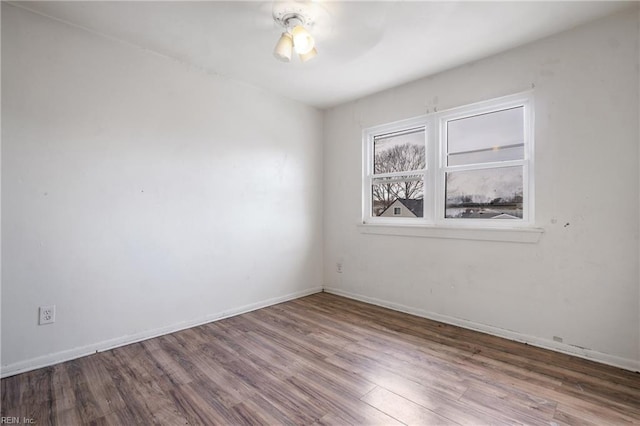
(58,357)
(627,364)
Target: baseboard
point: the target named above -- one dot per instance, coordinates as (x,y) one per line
(627,364)
(58,357)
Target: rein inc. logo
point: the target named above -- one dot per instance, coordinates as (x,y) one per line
(17,421)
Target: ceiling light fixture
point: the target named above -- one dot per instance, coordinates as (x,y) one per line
(296,36)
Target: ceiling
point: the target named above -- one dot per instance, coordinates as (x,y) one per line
(364,47)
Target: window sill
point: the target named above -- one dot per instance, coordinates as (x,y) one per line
(512,235)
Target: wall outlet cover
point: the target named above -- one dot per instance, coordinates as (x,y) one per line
(47,314)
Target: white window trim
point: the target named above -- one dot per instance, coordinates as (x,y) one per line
(434,177)
(367,166)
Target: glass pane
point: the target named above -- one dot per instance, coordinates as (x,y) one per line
(484,194)
(487,155)
(495,136)
(399,151)
(398,197)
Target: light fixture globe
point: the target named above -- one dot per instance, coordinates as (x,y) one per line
(284,47)
(309,55)
(302,40)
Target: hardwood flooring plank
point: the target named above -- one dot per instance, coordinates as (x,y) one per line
(169,359)
(435,375)
(297,407)
(66,417)
(216,373)
(124,416)
(166,414)
(272,352)
(194,408)
(250,413)
(63,396)
(263,408)
(336,379)
(595,413)
(33,387)
(423,394)
(100,383)
(318,323)
(351,409)
(382,373)
(86,404)
(495,404)
(299,341)
(403,410)
(331,419)
(143,394)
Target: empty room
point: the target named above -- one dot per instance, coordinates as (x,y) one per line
(320,212)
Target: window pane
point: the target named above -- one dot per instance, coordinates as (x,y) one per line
(406,194)
(485,194)
(399,151)
(495,136)
(487,155)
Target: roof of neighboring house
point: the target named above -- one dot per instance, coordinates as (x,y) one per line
(414,205)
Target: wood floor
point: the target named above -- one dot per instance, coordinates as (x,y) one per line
(324,359)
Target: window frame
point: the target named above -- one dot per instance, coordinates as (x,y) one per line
(436,165)
(368,176)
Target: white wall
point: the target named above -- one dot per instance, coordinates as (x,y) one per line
(580,282)
(140,195)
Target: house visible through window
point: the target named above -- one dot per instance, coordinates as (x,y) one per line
(467,165)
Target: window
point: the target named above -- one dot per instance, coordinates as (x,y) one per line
(398,166)
(467,166)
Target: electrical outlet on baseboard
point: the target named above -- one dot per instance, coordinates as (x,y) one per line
(47,314)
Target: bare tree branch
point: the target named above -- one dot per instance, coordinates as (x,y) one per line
(400,158)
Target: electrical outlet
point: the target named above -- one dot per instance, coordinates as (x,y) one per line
(339,267)
(47,314)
